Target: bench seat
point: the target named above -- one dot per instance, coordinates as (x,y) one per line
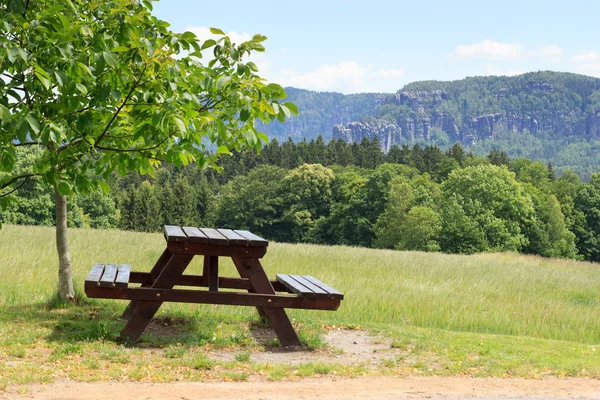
(309,287)
(108,275)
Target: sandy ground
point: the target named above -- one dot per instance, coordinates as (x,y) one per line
(345,347)
(324,389)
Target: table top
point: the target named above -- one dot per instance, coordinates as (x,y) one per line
(222,237)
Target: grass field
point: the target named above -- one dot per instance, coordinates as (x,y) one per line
(485,315)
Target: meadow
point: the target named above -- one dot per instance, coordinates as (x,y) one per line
(500,314)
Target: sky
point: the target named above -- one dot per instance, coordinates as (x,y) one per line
(354,46)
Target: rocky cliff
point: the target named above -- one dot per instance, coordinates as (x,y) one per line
(484,108)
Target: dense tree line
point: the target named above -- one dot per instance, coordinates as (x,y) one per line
(413,198)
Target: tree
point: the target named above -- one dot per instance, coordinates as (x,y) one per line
(307,197)
(104,86)
(587,228)
(420,230)
(253,202)
(490,197)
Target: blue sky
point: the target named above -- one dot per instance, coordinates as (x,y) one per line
(352,46)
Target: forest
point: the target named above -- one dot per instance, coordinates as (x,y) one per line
(412,198)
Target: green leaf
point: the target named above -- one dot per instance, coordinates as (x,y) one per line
(292,107)
(251,138)
(259,38)
(64,188)
(81,88)
(147,4)
(252,66)
(217,31)
(120,49)
(64,21)
(285,110)
(23,54)
(241,69)
(207,44)
(12,54)
(4,113)
(188,36)
(264,137)
(110,59)
(222,129)
(42,76)
(223,150)
(33,123)
(61,78)
(180,124)
(223,81)
(7,161)
(87,31)
(104,186)
(244,115)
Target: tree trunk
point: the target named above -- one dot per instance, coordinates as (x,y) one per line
(65,272)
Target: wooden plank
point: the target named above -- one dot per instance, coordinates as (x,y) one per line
(232,237)
(268,302)
(95,274)
(333,293)
(174,234)
(294,285)
(147,278)
(108,278)
(194,235)
(253,240)
(308,284)
(216,249)
(122,279)
(214,237)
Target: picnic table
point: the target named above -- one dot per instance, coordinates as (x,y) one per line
(113,281)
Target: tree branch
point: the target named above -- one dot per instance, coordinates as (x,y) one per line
(132,150)
(15,189)
(26,143)
(16,178)
(26,7)
(135,85)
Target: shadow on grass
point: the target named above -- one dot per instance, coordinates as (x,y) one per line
(88,320)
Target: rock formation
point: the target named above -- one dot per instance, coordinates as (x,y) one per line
(424,115)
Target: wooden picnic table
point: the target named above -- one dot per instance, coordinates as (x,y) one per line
(182,244)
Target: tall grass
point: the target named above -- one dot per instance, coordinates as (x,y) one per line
(489,293)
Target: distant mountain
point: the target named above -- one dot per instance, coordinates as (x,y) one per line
(549,116)
(320,111)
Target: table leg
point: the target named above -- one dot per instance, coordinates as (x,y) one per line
(252,269)
(210,274)
(145,310)
(160,264)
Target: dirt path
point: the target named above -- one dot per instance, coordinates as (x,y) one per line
(324,389)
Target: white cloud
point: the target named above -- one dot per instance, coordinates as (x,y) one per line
(587,62)
(489,49)
(345,77)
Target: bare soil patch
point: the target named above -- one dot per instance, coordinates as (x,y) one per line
(375,388)
(346,347)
